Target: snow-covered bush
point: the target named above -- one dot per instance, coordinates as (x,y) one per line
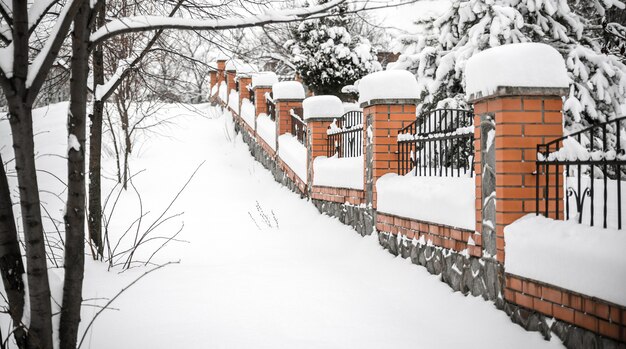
(598,80)
(327,56)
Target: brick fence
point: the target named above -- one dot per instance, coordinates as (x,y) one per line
(470,261)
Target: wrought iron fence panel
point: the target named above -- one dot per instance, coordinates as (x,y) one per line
(438,143)
(298,126)
(345,136)
(579,176)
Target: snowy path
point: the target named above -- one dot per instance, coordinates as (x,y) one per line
(310,283)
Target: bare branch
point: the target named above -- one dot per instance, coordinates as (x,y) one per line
(45,59)
(147,23)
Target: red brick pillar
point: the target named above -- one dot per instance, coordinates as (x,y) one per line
(287,95)
(509,124)
(212,79)
(518,119)
(383,119)
(317,125)
(230,80)
(260,103)
(221,68)
(244,88)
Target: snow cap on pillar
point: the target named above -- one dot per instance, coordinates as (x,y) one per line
(388,87)
(526,69)
(264,79)
(287,90)
(322,107)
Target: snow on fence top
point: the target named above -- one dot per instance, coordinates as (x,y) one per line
(515,65)
(287,90)
(389,84)
(266,78)
(588,260)
(322,107)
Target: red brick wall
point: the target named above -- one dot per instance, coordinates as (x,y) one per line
(441,235)
(339,195)
(589,313)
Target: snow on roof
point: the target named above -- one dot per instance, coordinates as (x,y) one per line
(516,65)
(389,84)
(265,78)
(287,90)
(322,107)
(222,57)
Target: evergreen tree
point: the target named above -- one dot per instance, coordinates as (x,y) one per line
(598,79)
(327,56)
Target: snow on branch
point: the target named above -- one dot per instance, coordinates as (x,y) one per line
(145,23)
(53,43)
(37,11)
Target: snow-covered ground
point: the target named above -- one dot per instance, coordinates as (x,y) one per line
(263,269)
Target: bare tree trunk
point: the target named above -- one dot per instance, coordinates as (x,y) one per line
(75,206)
(11,265)
(21,120)
(95,148)
(40,329)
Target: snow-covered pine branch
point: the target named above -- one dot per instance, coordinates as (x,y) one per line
(145,23)
(598,80)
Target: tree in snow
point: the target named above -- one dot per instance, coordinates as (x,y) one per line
(598,80)
(327,56)
(22,74)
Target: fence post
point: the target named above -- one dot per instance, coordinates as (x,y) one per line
(212,80)
(262,84)
(388,99)
(221,67)
(287,95)
(317,122)
(509,123)
(244,92)
(230,80)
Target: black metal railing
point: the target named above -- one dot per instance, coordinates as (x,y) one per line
(345,135)
(298,126)
(579,176)
(438,143)
(271,106)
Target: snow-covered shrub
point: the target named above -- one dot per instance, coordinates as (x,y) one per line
(327,56)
